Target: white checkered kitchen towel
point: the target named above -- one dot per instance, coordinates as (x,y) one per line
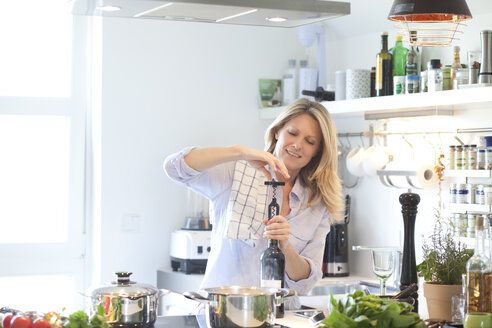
(247,203)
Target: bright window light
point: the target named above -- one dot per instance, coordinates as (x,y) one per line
(34,175)
(36,55)
(40,293)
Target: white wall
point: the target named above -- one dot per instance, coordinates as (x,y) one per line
(167,85)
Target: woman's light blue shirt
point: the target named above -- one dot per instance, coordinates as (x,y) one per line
(233,262)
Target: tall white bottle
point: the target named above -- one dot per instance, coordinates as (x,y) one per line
(289,83)
(307,79)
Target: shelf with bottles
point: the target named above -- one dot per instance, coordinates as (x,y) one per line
(418,104)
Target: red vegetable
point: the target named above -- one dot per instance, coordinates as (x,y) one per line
(20,322)
(41,323)
(6,320)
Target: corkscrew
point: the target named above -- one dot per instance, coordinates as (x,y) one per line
(273,207)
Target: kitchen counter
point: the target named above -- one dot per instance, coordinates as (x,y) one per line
(199,321)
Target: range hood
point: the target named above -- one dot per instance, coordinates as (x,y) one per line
(276,13)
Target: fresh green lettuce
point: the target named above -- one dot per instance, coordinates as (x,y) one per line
(370,311)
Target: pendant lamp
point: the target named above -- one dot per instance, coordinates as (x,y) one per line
(437,22)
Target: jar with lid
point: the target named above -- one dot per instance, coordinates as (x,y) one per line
(453,191)
(480,195)
(434,75)
(465,157)
(470,195)
(452,157)
(462,194)
(488,158)
(459,158)
(481,154)
(460,78)
(487,193)
(412,83)
(472,157)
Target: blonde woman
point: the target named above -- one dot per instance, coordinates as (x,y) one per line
(301,150)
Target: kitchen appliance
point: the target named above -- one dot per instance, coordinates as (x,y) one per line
(285,13)
(190,245)
(190,250)
(335,259)
(237,306)
(126,303)
(485,75)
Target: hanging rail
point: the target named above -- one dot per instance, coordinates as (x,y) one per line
(372,134)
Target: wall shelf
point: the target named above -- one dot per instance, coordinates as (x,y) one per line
(468,173)
(463,208)
(420,104)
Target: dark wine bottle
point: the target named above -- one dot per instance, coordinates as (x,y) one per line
(272,259)
(384,69)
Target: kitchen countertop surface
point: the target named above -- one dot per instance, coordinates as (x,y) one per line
(199,321)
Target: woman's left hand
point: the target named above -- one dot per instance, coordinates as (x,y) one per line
(277,228)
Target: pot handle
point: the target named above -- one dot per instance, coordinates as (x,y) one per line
(199,298)
(282,294)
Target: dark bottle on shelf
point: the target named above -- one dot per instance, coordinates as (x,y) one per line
(320,94)
(272,259)
(384,69)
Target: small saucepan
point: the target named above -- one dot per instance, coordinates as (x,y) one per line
(238,306)
(126,303)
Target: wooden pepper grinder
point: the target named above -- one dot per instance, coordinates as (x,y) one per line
(409,202)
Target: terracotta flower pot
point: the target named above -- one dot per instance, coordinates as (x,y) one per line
(439,299)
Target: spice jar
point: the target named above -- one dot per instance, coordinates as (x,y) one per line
(452,157)
(472,157)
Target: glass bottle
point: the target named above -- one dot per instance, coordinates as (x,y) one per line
(384,69)
(478,295)
(273,260)
(456,64)
(452,157)
(434,75)
(412,62)
(399,57)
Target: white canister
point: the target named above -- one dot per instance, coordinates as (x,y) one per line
(487,191)
(340,85)
(358,83)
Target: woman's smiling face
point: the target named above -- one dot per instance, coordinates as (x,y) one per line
(298,141)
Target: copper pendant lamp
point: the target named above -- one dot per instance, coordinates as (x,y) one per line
(437,22)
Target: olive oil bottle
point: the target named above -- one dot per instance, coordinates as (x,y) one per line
(478,292)
(384,69)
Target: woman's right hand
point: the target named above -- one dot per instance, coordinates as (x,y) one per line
(260,159)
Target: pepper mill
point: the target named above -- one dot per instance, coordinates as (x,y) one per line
(409,202)
(485,75)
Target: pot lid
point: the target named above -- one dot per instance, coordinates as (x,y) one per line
(124,287)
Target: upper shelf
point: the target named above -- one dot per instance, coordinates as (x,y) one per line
(419,104)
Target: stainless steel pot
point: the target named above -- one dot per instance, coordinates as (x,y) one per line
(240,306)
(126,303)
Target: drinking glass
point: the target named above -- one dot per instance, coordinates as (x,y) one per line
(383,263)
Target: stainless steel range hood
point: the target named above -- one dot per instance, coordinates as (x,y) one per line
(277,13)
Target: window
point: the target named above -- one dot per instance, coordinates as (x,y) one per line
(42,123)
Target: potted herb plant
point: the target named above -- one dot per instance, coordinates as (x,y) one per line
(444,263)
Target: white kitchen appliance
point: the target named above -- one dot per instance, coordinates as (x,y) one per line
(190,250)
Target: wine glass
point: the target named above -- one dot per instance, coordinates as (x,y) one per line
(383,263)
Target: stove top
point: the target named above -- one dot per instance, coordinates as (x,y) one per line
(187,321)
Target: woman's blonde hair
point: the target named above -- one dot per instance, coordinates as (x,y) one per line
(320,174)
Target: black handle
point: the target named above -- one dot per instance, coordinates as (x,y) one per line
(320,94)
(409,202)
